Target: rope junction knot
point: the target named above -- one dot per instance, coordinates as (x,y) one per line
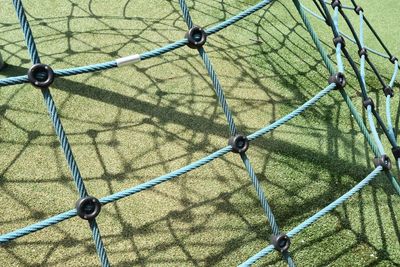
(41,75)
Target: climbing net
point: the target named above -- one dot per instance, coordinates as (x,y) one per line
(88,207)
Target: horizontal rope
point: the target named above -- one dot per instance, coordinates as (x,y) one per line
(143,56)
(136,189)
(37,226)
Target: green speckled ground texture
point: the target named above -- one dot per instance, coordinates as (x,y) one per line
(131,124)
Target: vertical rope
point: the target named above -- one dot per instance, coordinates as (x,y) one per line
(373,130)
(339,45)
(314,37)
(233,131)
(99,243)
(51,107)
(27,31)
(211,72)
(261,195)
(388,109)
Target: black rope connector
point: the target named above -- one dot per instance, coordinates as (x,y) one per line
(363,52)
(196,36)
(383,161)
(393,59)
(280,242)
(41,75)
(336,3)
(358,9)
(396,152)
(388,91)
(368,102)
(339,79)
(339,40)
(239,143)
(88,207)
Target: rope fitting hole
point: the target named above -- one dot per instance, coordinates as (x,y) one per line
(393,59)
(40,75)
(383,161)
(197,37)
(388,91)
(339,79)
(239,143)
(358,9)
(281,242)
(368,102)
(339,40)
(336,3)
(88,207)
(363,52)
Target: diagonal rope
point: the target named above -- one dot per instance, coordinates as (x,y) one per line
(167,177)
(233,131)
(295,231)
(60,130)
(211,72)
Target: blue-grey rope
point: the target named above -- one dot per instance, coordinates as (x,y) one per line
(331,69)
(233,131)
(218,91)
(211,72)
(314,37)
(389,117)
(145,55)
(102,66)
(339,45)
(373,130)
(37,226)
(165,177)
(27,31)
(375,135)
(342,33)
(388,100)
(59,128)
(261,195)
(147,185)
(264,203)
(267,250)
(291,115)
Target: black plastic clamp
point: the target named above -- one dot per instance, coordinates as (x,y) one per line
(88,207)
(196,36)
(41,75)
(363,52)
(388,91)
(339,40)
(339,79)
(368,102)
(239,143)
(280,242)
(358,9)
(384,162)
(393,59)
(396,152)
(336,3)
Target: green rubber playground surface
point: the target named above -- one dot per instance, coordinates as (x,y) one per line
(131,124)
